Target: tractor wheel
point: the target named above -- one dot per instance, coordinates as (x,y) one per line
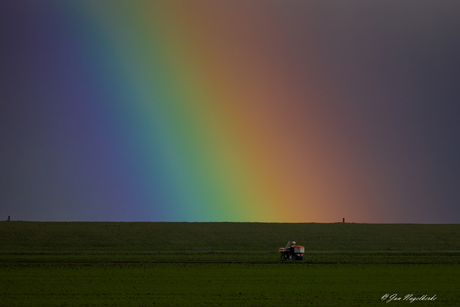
(283,257)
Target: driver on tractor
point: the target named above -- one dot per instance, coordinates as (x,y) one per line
(291,250)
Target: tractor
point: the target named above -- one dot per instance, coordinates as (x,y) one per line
(292,251)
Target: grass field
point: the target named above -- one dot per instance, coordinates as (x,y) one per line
(102,236)
(110,264)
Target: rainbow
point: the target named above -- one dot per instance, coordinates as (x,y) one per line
(185,111)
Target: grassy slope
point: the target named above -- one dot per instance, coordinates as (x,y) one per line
(104,236)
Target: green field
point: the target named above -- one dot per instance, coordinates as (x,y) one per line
(102,236)
(152,264)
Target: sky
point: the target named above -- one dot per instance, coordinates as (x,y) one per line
(230,111)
